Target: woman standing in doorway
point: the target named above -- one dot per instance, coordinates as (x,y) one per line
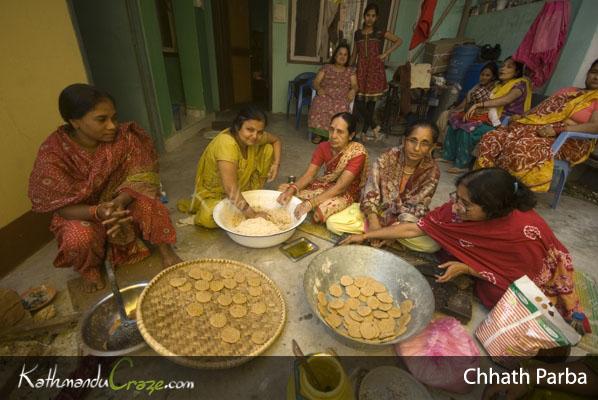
(369,55)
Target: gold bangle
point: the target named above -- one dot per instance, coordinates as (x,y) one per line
(311,203)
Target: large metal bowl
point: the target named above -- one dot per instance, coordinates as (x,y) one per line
(402,280)
(97,322)
(265,199)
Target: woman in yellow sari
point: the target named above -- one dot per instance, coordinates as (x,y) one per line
(238,159)
(345,173)
(524,147)
(512,95)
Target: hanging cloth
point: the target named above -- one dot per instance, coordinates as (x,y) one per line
(542,44)
(421,32)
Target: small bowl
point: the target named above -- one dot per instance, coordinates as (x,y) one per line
(265,199)
(37,297)
(402,280)
(96,324)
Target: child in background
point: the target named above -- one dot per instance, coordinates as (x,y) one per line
(371,78)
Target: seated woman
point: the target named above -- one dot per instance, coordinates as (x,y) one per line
(523,148)
(399,188)
(345,172)
(512,95)
(477,94)
(336,85)
(491,232)
(100,179)
(238,159)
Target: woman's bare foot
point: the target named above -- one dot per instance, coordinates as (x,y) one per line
(455,170)
(92,286)
(169,257)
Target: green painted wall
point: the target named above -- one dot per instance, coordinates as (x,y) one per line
(188,48)
(571,64)
(113,67)
(211,47)
(153,42)
(175,80)
(283,71)
(204,44)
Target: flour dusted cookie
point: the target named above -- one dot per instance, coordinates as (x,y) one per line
(259,337)
(194,309)
(346,280)
(369,330)
(258,308)
(238,311)
(203,296)
(239,298)
(406,306)
(352,291)
(335,290)
(334,320)
(230,283)
(224,299)
(195,273)
(206,275)
(176,282)
(230,335)
(202,285)
(218,320)
(216,285)
(187,286)
(239,277)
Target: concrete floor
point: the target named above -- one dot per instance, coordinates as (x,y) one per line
(574,223)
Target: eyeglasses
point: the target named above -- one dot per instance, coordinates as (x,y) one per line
(458,201)
(414,142)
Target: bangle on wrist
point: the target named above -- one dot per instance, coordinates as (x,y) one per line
(311,203)
(93,213)
(294,187)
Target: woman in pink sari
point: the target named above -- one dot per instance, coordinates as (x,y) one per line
(100,179)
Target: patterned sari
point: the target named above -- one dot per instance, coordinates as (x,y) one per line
(333,169)
(504,249)
(520,150)
(383,196)
(65,174)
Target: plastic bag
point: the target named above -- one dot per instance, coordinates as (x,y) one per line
(428,355)
(522,322)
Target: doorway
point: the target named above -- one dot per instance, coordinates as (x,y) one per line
(243,52)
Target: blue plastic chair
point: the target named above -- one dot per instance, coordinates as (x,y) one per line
(301,82)
(562,168)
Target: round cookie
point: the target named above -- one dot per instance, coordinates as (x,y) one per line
(176,282)
(352,291)
(259,337)
(255,282)
(334,320)
(322,298)
(224,299)
(239,277)
(216,286)
(194,309)
(373,302)
(218,320)
(186,287)
(406,306)
(384,297)
(336,304)
(202,285)
(255,291)
(364,311)
(346,280)
(206,275)
(203,296)
(394,312)
(230,283)
(227,273)
(239,298)
(335,290)
(230,335)
(195,273)
(369,330)
(238,311)
(353,303)
(258,308)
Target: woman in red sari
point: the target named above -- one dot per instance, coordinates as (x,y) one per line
(490,231)
(100,179)
(345,173)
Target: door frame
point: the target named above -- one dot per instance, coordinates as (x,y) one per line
(223,53)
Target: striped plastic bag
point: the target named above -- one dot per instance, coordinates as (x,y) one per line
(522,322)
